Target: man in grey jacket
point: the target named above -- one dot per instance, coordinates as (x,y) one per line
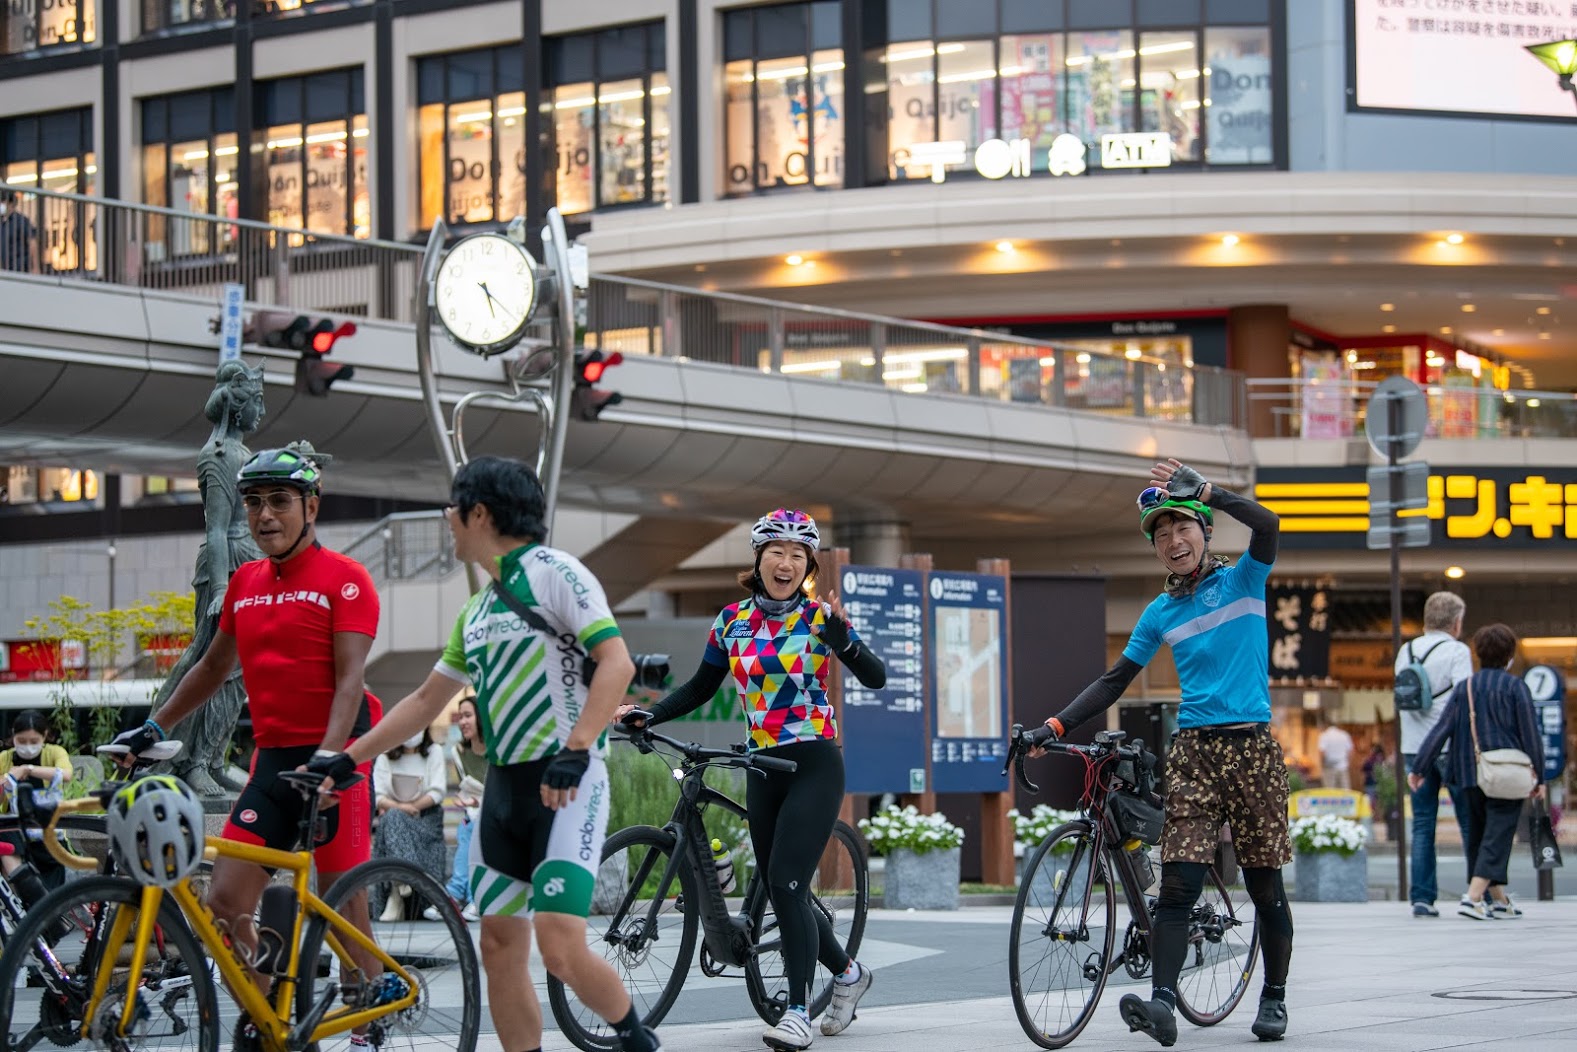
(1448,662)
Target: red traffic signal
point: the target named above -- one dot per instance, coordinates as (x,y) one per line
(588,402)
(325,333)
(592,364)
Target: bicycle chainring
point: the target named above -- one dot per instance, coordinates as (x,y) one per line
(62,1028)
(1136,951)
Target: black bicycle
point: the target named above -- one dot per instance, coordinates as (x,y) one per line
(1063,947)
(656,887)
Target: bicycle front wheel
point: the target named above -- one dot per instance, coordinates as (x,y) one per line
(46,1002)
(1064,928)
(1223,946)
(840,897)
(434,946)
(643,923)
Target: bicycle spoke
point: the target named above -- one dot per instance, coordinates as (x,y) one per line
(1223,934)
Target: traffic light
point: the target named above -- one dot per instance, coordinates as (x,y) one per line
(587,401)
(313,337)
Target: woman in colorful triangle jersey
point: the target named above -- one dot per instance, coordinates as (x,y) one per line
(777,647)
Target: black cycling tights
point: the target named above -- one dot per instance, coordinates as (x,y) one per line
(791,817)
(1181,883)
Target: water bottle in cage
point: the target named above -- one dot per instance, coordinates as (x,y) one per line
(276,921)
(723,859)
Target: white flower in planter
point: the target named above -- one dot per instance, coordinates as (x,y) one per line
(1328,833)
(892,828)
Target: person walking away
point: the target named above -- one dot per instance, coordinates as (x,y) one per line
(1447,661)
(1225,768)
(777,646)
(300,622)
(523,642)
(1336,747)
(1491,709)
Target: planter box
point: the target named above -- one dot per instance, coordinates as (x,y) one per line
(921,882)
(1326,876)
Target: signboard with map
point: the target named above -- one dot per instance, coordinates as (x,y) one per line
(968,642)
(884,730)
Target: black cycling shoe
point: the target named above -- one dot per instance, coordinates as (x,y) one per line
(1153,1017)
(1271,1022)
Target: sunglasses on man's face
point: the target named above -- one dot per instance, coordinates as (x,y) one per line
(278,501)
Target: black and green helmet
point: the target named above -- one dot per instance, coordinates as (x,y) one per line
(282,466)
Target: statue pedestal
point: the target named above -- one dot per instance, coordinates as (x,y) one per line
(218,809)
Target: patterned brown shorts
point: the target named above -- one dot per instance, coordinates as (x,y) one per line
(1211,779)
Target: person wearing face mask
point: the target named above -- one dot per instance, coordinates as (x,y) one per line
(409,782)
(31,760)
(777,646)
(16,235)
(1224,767)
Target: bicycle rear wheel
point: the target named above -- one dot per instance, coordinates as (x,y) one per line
(840,893)
(435,947)
(1064,928)
(1223,947)
(178,1007)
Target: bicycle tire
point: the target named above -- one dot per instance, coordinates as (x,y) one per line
(175,962)
(629,951)
(1042,906)
(424,947)
(767,982)
(1220,962)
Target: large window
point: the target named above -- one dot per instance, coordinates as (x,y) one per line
(965,73)
(471,127)
(26,25)
(609,97)
(783,97)
(168,14)
(53,151)
(189,158)
(310,154)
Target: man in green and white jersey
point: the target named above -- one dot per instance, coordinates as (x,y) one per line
(523,643)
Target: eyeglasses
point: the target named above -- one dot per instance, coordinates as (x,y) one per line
(1153,496)
(278,501)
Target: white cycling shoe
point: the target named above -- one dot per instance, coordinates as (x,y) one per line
(791,1033)
(845,996)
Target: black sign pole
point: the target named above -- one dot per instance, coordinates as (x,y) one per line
(1393,416)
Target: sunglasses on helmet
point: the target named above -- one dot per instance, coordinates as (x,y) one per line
(1153,497)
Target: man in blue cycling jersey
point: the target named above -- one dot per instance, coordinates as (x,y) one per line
(1224,767)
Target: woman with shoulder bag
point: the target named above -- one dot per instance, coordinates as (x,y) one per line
(1495,756)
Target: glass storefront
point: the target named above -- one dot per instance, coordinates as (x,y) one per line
(471,136)
(172,14)
(608,98)
(54,151)
(189,158)
(27,25)
(310,157)
(783,97)
(964,75)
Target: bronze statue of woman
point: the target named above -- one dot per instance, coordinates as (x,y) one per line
(236,409)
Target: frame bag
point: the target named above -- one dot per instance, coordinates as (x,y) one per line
(1503,774)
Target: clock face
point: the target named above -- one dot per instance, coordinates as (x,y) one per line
(485,291)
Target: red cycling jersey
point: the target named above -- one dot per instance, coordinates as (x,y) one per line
(284,620)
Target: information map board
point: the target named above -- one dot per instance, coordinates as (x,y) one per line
(884,731)
(969,681)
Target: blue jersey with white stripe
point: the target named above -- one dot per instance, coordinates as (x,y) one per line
(1220,643)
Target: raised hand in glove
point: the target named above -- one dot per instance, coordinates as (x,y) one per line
(1180,481)
(562,777)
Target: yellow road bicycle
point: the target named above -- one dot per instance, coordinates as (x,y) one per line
(129,967)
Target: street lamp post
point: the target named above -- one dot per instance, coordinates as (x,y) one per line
(1561,57)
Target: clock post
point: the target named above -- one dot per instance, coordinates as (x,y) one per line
(492,298)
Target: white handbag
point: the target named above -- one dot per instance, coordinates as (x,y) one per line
(1503,774)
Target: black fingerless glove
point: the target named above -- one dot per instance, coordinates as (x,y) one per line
(1185,483)
(566,768)
(137,741)
(336,765)
(835,633)
(637,719)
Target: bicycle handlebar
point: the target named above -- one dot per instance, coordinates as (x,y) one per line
(57,847)
(695,753)
(1020,742)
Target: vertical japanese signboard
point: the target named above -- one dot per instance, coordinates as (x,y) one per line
(968,642)
(884,730)
(1300,631)
(1547,686)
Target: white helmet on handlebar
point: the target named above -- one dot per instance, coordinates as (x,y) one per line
(155,827)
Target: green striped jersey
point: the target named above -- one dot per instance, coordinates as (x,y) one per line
(529,686)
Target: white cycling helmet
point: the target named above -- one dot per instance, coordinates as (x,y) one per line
(785,524)
(156,830)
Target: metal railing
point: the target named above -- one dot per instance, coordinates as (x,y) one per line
(406,546)
(1337,409)
(645,317)
(95,239)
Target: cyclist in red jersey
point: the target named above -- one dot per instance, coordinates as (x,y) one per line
(301,622)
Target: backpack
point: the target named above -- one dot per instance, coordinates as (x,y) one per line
(1412,691)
